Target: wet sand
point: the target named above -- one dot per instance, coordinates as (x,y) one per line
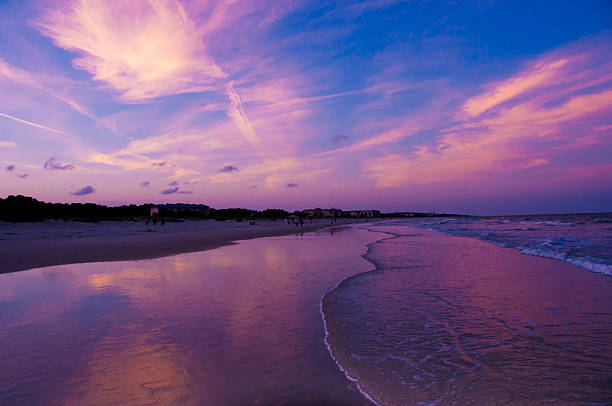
(34,245)
(237,325)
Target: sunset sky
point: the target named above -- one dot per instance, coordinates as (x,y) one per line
(481,107)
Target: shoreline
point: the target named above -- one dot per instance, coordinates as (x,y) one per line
(25,246)
(553,268)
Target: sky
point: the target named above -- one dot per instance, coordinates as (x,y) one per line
(478,107)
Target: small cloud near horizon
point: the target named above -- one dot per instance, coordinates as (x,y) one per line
(146,183)
(186,192)
(228,169)
(169,191)
(10,167)
(173,183)
(53,165)
(25,175)
(84,191)
(163,163)
(290,185)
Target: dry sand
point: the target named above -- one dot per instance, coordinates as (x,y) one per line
(34,245)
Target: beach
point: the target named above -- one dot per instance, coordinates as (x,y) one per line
(382,313)
(38,244)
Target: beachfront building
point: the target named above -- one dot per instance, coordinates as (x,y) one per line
(318,212)
(362,213)
(180,208)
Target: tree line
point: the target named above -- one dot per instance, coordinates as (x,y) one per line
(25,208)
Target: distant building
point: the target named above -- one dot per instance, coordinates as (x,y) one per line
(180,208)
(361,213)
(318,212)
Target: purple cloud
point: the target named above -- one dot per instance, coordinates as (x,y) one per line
(146,183)
(290,185)
(173,183)
(228,169)
(10,167)
(84,191)
(169,191)
(163,163)
(339,139)
(186,192)
(53,165)
(25,175)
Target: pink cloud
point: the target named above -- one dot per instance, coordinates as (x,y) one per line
(553,102)
(527,80)
(240,118)
(53,85)
(141,48)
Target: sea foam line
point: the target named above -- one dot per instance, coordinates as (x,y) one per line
(331,354)
(325,340)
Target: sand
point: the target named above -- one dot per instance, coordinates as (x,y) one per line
(34,245)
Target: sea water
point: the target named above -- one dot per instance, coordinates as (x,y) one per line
(581,239)
(447,320)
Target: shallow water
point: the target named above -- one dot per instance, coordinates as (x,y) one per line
(236,325)
(450,320)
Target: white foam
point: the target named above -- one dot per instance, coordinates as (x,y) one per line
(593,267)
(325,340)
(562,256)
(548,223)
(331,353)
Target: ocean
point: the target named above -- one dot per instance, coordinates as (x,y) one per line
(400,312)
(450,320)
(580,239)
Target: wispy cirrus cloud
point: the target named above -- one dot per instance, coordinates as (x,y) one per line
(37,125)
(541,74)
(51,85)
(162,54)
(530,121)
